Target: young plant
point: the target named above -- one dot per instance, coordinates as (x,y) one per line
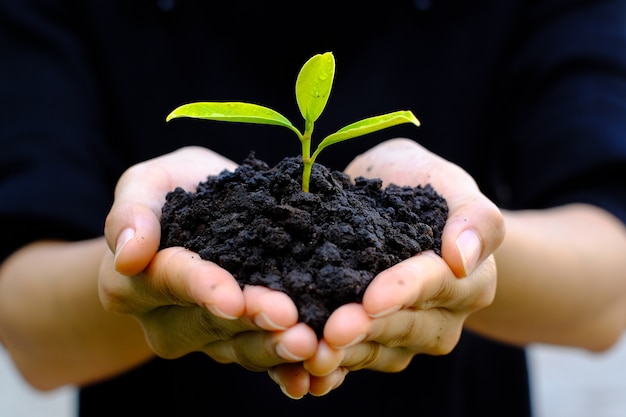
(313,87)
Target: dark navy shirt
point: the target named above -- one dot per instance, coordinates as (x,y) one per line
(528,96)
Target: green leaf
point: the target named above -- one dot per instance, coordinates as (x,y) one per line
(369,125)
(313,85)
(232,112)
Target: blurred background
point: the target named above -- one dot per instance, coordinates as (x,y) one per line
(565,382)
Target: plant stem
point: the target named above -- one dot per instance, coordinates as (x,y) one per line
(307,162)
(306,175)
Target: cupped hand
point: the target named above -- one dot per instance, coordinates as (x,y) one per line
(419,305)
(415,307)
(132,227)
(183,302)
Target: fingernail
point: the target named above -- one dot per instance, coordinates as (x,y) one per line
(216,311)
(125,236)
(265,323)
(386,312)
(469,246)
(123,239)
(337,379)
(343,372)
(354,341)
(284,390)
(274,376)
(285,354)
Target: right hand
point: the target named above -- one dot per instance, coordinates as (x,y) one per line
(184,303)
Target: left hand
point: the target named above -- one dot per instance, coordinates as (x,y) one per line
(420,304)
(417,306)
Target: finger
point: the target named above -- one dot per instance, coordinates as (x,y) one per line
(347,325)
(388,344)
(434,331)
(292,379)
(325,361)
(184,275)
(415,282)
(176,276)
(261,350)
(376,357)
(434,324)
(322,385)
(424,330)
(269,309)
(474,230)
(174,331)
(297,343)
(138,239)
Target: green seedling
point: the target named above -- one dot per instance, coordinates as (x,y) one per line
(313,87)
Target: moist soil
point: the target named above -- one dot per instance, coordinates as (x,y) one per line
(322,248)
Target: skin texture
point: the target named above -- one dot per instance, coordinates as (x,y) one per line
(126,290)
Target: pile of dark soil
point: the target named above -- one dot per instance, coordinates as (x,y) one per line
(322,248)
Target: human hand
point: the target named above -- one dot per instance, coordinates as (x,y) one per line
(184,303)
(417,306)
(420,304)
(475,226)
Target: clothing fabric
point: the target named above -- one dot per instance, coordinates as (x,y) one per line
(528,96)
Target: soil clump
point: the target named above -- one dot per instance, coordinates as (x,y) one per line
(322,248)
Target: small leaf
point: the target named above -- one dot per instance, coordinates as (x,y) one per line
(232,112)
(369,125)
(313,85)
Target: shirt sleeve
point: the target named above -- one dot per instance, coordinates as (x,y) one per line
(567,106)
(53,161)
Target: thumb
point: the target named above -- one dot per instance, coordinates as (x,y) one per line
(136,234)
(132,228)
(472,232)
